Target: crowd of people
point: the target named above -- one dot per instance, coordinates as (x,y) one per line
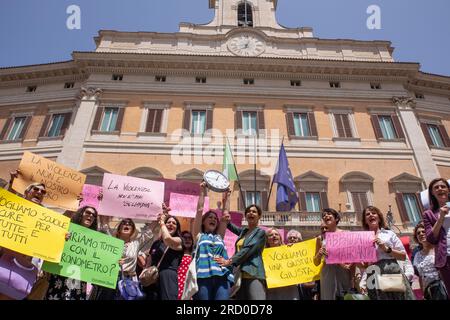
(162,245)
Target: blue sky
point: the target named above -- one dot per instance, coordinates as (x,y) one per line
(34,31)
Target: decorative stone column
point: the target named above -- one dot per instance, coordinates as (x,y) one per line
(425,163)
(79,130)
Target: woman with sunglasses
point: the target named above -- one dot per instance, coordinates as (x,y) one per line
(62,288)
(188,246)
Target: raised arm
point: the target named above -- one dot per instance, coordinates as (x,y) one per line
(197,228)
(13,175)
(320,252)
(174,243)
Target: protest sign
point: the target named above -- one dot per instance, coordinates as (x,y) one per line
(63,185)
(89,256)
(131,197)
(350,247)
(185,205)
(90,195)
(178,186)
(290,265)
(31,229)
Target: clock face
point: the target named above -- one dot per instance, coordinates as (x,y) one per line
(216,181)
(246,45)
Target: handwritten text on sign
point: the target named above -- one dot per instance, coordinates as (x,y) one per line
(350,247)
(31,229)
(89,256)
(286,266)
(63,184)
(90,196)
(131,197)
(185,205)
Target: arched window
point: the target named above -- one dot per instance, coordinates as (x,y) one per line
(245,15)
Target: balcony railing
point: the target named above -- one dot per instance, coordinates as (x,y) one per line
(301,219)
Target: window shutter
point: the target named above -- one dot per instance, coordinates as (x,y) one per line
(98,117)
(265,204)
(376,126)
(261,125)
(312,124)
(398,127)
(339,125)
(444,135)
(290,124)
(347,128)
(187,120)
(424,127)
(120,119)
(25,128)
(401,207)
(419,203)
(238,120)
(5,128)
(158,120)
(44,127)
(324,200)
(209,119)
(302,201)
(66,123)
(150,120)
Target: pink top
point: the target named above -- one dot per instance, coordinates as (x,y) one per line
(16,280)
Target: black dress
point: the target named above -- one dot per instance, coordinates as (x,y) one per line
(167,286)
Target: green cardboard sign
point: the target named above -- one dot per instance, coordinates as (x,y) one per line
(89,256)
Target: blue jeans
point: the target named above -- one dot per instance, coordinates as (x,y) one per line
(214,288)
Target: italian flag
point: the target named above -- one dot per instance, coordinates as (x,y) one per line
(229,169)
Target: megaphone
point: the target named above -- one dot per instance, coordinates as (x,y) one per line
(424,198)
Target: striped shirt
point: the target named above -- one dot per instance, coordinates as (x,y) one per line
(211,246)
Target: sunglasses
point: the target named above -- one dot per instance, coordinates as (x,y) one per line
(90,213)
(37,189)
(127,223)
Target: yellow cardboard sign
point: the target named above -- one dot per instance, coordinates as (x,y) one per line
(63,184)
(291,265)
(31,229)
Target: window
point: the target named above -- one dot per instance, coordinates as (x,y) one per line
(249,81)
(56,125)
(160,78)
(296,83)
(412,207)
(435,136)
(200,80)
(301,125)
(343,127)
(419,96)
(15,133)
(313,202)
(375,86)
(359,201)
(109,120)
(117,77)
(198,125)
(252,197)
(245,15)
(387,127)
(335,84)
(69,85)
(249,122)
(154,120)
(31,89)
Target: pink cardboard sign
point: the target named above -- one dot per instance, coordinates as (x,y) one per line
(90,195)
(230,238)
(178,186)
(185,205)
(130,197)
(350,247)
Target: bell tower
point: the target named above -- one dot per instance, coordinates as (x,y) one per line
(244,13)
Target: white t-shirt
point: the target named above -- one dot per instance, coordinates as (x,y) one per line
(425,266)
(446,226)
(390,239)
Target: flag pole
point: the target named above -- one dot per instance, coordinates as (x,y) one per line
(237,174)
(271,185)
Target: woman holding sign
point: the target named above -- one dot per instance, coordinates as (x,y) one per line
(214,280)
(35,192)
(437,226)
(248,257)
(335,279)
(62,288)
(385,279)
